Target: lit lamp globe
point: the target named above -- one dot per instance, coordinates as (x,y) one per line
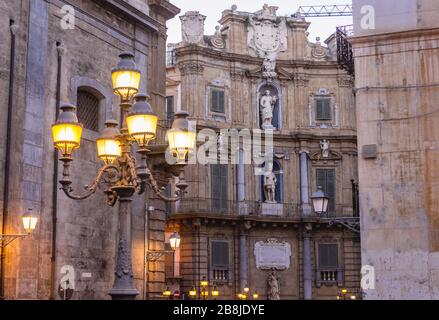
(320,201)
(167,293)
(174,241)
(107,144)
(142,121)
(126,77)
(29,221)
(255,295)
(204,282)
(67,131)
(215,292)
(181,139)
(193,292)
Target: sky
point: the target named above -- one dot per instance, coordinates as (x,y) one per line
(320,27)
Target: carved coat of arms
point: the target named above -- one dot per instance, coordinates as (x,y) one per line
(192,27)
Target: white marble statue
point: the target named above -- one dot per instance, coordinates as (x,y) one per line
(267,103)
(273,286)
(270,181)
(324,147)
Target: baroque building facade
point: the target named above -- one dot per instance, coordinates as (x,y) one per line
(57,51)
(241,229)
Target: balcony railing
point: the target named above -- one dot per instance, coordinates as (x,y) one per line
(329,276)
(234,208)
(345,56)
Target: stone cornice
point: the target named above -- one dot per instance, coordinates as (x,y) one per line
(235,57)
(405,34)
(164,8)
(135,14)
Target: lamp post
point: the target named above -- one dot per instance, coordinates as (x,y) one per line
(29,220)
(120,177)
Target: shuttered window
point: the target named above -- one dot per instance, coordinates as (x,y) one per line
(170,107)
(323,109)
(219,186)
(169,262)
(220,253)
(328,255)
(217,101)
(88,110)
(326,179)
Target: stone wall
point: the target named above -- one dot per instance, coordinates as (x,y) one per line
(397,98)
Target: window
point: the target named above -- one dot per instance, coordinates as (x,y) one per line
(219,186)
(328,267)
(217,101)
(88,110)
(323,109)
(170,107)
(220,260)
(326,179)
(328,255)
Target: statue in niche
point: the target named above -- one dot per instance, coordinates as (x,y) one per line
(324,147)
(267,103)
(270,181)
(273,286)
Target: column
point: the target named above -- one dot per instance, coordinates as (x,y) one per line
(304,184)
(307,274)
(243,261)
(240,184)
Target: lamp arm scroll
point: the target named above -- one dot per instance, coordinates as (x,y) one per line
(89,190)
(152,182)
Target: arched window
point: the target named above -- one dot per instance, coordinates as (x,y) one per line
(277,170)
(88,109)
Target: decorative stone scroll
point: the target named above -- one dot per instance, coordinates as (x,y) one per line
(272,255)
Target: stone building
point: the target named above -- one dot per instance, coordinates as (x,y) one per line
(62,51)
(260,71)
(397,91)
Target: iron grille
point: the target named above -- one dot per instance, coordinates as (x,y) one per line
(88,110)
(345,55)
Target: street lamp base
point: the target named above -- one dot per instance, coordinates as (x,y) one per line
(123,294)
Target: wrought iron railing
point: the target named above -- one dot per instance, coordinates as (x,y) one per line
(232,208)
(345,55)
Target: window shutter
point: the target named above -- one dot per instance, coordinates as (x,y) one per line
(219,186)
(323,109)
(326,179)
(330,189)
(170,107)
(327,109)
(328,255)
(220,253)
(217,101)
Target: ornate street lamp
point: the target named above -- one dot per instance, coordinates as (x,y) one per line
(320,201)
(29,220)
(180,137)
(174,242)
(120,177)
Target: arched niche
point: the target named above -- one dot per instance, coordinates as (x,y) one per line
(275,90)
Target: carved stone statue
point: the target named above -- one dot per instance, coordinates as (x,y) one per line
(267,103)
(324,147)
(273,286)
(270,181)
